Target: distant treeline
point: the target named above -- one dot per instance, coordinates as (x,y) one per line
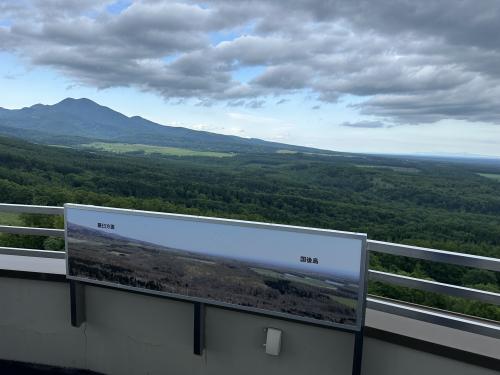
(438,204)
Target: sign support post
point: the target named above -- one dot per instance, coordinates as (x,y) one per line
(357,358)
(199,328)
(77,298)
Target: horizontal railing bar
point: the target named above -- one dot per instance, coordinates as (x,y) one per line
(449,257)
(32,231)
(435,287)
(433,316)
(28,209)
(32,252)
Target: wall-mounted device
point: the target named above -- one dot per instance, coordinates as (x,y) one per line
(273,341)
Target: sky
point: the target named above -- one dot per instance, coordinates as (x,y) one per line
(379,76)
(338,256)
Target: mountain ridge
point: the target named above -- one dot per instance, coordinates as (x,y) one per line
(73,121)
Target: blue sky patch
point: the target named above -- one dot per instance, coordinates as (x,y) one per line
(247,73)
(118,6)
(5,23)
(222,36)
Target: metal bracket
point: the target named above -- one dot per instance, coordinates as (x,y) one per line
(77,298)
(199,328)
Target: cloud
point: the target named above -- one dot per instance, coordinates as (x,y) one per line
(364,124)
(407,62)
(250,119)
(475,101)
(256,104)
(284,77)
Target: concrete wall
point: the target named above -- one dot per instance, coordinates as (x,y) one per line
(389,359)
(135,334)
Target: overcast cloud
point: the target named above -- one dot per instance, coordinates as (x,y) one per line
(409,61)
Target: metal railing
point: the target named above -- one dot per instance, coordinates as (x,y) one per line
(447,257)
(423,313)
(25,209)
(28,209)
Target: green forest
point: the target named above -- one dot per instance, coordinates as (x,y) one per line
(442,204)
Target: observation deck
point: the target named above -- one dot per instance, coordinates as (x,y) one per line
(134,333)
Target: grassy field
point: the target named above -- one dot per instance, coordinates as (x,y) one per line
(490,175)
(9,219)
(123,148)
(393,168)
(308,281)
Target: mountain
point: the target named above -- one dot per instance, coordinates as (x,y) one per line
(77,121)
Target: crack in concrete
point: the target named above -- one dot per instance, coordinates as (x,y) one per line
(85,344)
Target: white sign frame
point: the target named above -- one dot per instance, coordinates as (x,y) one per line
(361,301)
